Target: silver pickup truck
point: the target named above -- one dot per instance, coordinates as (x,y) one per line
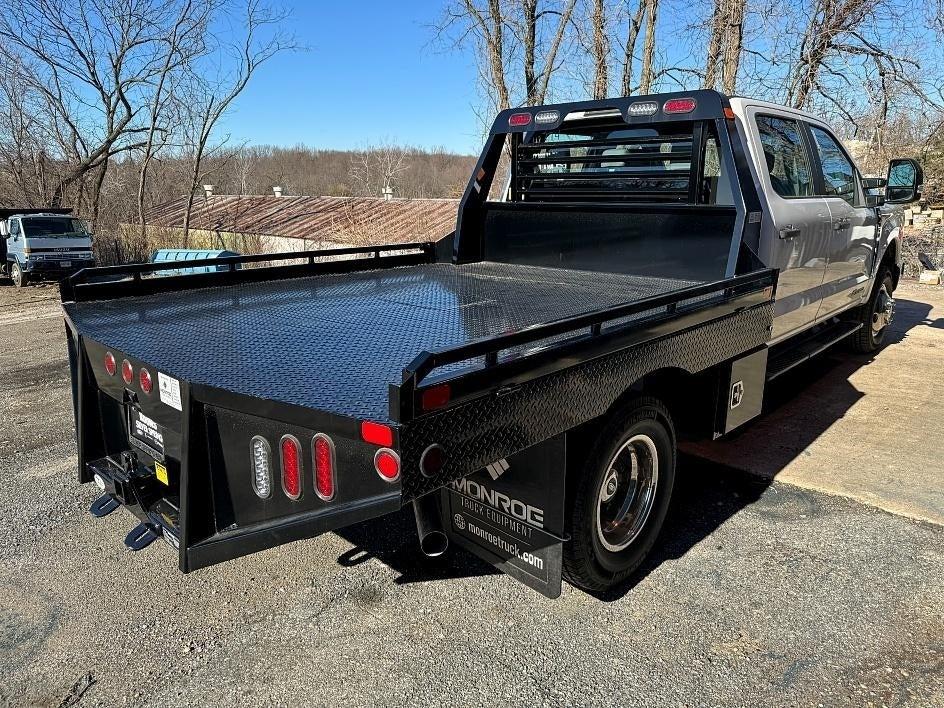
(652,263)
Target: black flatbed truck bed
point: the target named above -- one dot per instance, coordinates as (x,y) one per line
(494,343)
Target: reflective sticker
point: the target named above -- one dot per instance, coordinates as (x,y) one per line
(161,473)
(170,391)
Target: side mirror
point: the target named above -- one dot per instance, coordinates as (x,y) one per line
(905,178)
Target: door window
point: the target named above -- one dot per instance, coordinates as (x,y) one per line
(785,154)
(838,172)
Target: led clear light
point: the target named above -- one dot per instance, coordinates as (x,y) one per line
(261,467)
(546,117)
(642,108)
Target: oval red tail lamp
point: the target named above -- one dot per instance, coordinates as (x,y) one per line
(291,459)
(144,380)
(322,451)
(127,372)
(679,105)
(517,120)
(111,366)
(387,464)
(376,433)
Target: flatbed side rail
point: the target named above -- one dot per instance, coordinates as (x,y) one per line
(410,389)
(127,280)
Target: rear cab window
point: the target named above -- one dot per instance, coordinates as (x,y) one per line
(788,165)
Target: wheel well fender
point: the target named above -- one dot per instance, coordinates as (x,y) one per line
(889,257)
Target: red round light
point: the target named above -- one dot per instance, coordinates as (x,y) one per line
(110,365)
(291,467)
(387,464)
(127,372)
(144,379)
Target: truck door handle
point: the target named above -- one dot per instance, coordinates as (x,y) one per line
(789,231)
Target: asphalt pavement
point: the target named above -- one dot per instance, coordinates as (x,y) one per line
(761,591)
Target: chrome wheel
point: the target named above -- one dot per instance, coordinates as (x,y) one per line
(884,310)
(627,493)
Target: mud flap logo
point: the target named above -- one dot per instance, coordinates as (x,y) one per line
(737,394)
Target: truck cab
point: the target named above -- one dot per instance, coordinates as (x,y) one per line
(43,245)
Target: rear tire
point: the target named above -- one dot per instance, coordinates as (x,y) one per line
(875,315)
(618,500)
(17,275)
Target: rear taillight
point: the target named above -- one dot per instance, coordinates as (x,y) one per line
(261,467)
(679,105)
(144,380)
(435,397)
(322,451)
(291,460)
(127,372)
(111,366)
(387,464)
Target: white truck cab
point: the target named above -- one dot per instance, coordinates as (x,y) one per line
(42,244)
(829,236)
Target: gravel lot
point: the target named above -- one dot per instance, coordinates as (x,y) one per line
(761,593)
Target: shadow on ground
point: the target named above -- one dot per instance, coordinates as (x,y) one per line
(706,494)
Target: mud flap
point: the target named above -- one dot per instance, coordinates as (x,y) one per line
(511,514)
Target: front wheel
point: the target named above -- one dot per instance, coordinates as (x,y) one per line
(17,274)
(875,315)
(620,497)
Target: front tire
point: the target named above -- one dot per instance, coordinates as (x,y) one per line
(875,315)
(17,275)
(619,498)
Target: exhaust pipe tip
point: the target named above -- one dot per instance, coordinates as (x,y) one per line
(434,544)
(429,527)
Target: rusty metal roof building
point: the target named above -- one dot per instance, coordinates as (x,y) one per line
(338,219)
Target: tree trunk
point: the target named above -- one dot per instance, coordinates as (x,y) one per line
(734,40)
(601,51)
(715,43)
(632,34)
(530,9)
(648,52)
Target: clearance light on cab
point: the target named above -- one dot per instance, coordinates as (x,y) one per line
(679,105)
(518,120)
(261,467)
(642,108)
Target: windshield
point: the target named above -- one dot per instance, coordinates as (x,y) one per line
(53,227)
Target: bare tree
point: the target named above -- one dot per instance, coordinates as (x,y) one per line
(601,50)
(725,46)
(634,24)
(206,99)
(374,170)
(648,52)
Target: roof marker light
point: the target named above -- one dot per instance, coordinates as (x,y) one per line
(322,450)
(376,433)
(642,108)
(679,105)
(547,117)
(291,466)
(518,120)
(261,455)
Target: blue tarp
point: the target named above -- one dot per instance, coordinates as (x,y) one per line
(176,255)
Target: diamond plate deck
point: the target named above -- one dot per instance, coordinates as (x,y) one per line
(335,342)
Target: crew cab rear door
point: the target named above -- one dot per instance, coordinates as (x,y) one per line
(797,226)
(852,233)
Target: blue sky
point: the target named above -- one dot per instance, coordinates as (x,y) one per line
(371,72)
